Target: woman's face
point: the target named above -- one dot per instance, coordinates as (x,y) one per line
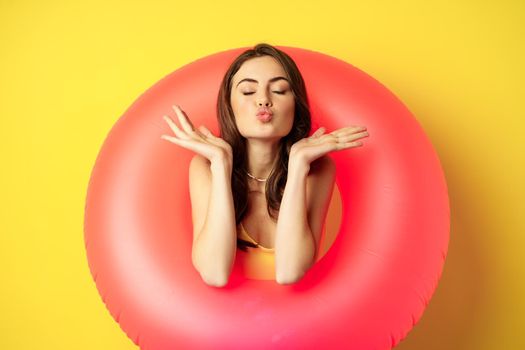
(261,82)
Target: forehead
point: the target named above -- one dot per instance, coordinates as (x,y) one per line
(259,68)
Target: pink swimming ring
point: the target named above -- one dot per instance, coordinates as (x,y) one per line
(367,292)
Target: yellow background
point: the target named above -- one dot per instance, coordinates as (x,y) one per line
(68,70)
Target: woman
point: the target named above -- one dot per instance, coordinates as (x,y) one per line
(263,184)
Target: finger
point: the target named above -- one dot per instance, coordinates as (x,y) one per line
(318,133)
(179,133)
(215,141)
(344,145)
(326,138)
(198,147)
(191,130)
(331,142)
(353,144)
(184,120)
(353,137)
(332,145)
(178,109)
(206,131)
(209,137)
(189,144)
(173,139)
(349,129)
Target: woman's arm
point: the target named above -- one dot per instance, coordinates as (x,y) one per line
(303,211)
(213,213)
(214,237)
(301,217)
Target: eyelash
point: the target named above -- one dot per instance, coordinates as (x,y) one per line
(277,92)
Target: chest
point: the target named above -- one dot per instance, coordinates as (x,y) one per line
(257,222)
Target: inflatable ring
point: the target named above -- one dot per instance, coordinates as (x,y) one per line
(366,292)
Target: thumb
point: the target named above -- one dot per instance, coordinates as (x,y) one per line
(205,130)
(318,132)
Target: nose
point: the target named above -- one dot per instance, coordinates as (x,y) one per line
(263,100)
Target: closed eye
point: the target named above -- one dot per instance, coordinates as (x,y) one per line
(277,92)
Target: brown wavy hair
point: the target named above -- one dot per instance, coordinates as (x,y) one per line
(229,132)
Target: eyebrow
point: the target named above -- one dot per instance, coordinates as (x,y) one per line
(255,81)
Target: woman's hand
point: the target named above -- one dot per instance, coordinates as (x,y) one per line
(201,141)
(310,148)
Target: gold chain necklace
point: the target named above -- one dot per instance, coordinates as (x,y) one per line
(256,178)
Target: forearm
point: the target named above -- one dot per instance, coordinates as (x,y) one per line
(294,242)
(215,248)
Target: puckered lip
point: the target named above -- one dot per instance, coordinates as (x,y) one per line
(264,110)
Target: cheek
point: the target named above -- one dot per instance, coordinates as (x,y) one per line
(288,114)
(291,108)
(241,111)
(289,111)
(239,106)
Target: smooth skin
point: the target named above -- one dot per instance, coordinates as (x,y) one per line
(311,177)
(213,214)
(212,171)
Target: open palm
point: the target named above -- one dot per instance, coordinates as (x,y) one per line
(318,144)
(201,140)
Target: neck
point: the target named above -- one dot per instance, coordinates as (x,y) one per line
(262,155)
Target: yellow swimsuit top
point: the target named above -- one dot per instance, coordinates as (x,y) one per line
(243,234)
(257,263)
